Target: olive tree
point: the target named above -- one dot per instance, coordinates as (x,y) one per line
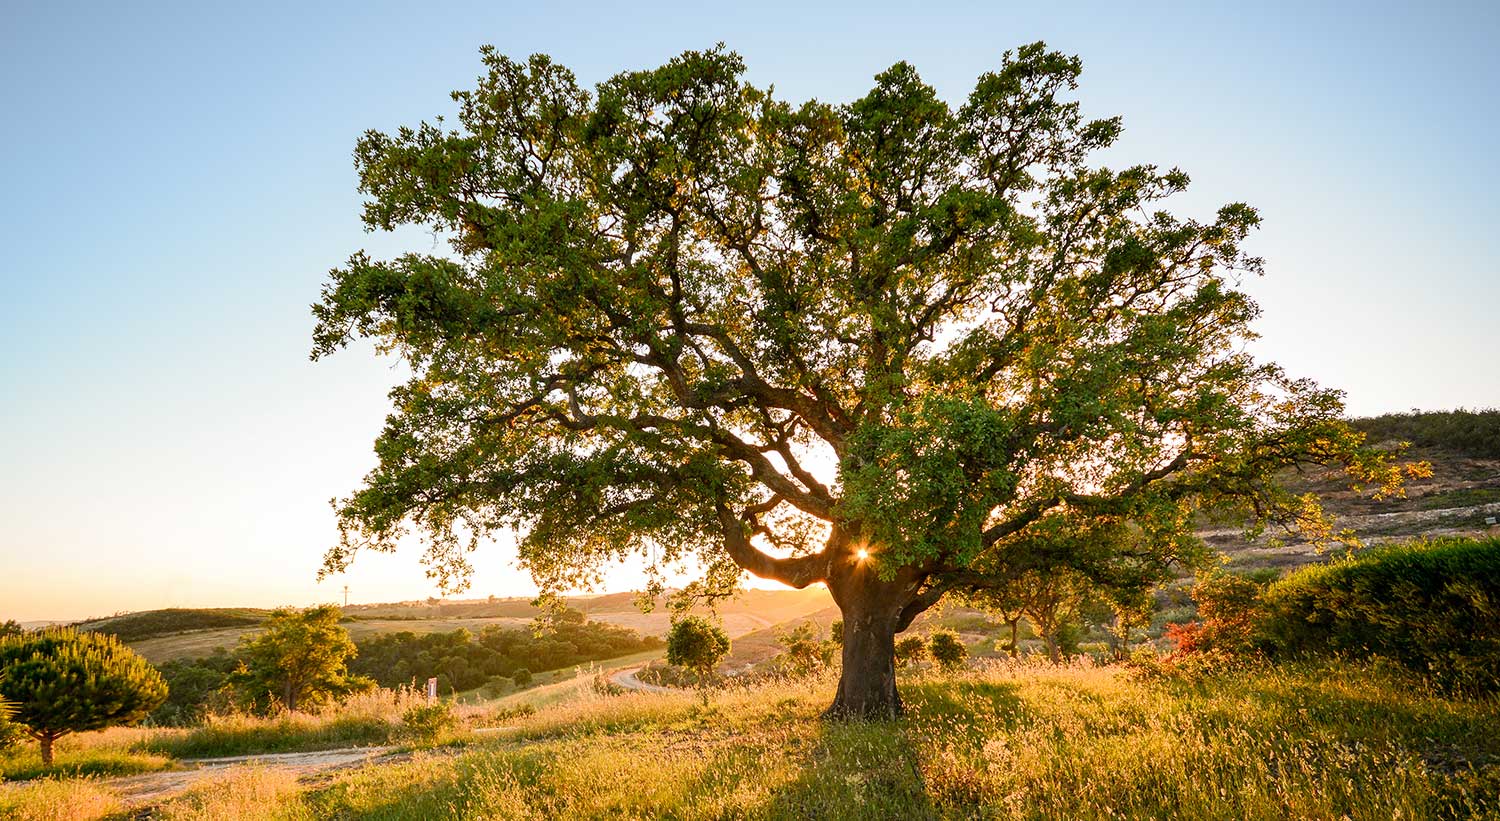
(883,346)
(60,681)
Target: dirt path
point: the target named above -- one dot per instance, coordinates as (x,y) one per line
(626,678)
(141,789)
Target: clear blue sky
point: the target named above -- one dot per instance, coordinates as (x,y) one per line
(178,181)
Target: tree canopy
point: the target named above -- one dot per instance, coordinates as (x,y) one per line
(900,347)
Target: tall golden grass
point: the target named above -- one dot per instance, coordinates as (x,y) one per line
(1014,740)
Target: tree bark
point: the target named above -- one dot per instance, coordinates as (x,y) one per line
(871,610)
(46,741)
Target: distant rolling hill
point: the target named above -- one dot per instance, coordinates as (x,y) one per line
(162,635)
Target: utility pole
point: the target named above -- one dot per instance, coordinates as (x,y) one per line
(346,595)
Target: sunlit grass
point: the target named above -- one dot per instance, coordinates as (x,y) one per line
(369,719)
(248,793)
(48,799)
(1013,741)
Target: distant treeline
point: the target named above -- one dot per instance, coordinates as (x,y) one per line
(1469,433)
(461,660)
(499,658)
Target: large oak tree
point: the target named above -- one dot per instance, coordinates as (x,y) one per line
(895,347)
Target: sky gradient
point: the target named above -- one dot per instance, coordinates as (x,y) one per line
(179,181)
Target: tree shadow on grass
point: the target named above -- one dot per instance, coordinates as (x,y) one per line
(855,770)
(1446,739)
(876,769)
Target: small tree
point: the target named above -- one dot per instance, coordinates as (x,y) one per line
(910,650)
(11,627)
(696,644)
(947,650)
(62,681)
(521,677)
(805,652)
(1131,613)
(300,659)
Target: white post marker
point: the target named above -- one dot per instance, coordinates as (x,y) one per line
(432,689)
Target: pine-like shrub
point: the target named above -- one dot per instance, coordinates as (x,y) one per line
(62,681)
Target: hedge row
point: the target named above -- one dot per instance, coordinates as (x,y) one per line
(1432,605)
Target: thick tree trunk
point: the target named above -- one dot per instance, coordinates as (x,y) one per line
(867,685)
(1014,651)
(872,612)
(46,741)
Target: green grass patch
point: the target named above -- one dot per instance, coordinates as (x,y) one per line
(27,764)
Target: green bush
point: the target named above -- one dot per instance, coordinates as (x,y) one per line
(1229,612)
(697,644)
(947,650)
(426,723)
(911,650)
(1069,637)
(1433,606)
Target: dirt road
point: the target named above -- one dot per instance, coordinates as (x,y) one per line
(626,678)
(144,789)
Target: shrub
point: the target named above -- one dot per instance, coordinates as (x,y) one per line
(62,681)
(696,644)
(910,650)
(195,688)
(803,652)
(1069,637)
(505,714)
(1229,610)
(428,722)
(1473,433)
(1432,606)
(947,650)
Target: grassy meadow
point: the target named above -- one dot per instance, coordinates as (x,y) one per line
(1331,740)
